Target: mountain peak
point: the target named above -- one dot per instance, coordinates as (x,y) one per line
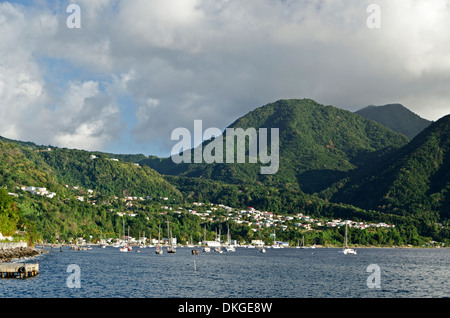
(396,117)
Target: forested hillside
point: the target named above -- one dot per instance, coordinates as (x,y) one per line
(319,145)
(333,164)
(414,181)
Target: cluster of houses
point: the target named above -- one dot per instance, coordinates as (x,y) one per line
(210,212)
(258,219)
(37,191)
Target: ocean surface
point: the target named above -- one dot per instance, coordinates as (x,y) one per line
(246,273)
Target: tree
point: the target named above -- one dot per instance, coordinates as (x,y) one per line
(9,214)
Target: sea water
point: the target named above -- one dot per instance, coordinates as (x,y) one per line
(278,273)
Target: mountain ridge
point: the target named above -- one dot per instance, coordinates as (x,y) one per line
(396,117)
(415,179)
(333,163)
(318,145)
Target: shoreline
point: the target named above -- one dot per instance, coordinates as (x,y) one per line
(7,255)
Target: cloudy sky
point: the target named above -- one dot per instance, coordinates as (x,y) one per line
(137,69)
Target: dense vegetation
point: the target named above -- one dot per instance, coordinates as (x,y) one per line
(106,175)
(319,145)
(333,164)
(413,182)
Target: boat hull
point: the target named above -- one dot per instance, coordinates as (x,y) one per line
(347,251)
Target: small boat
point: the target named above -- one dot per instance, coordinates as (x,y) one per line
(159,250)
(262,249)
(206,249)
(346,250)
(123,249)
(230,248)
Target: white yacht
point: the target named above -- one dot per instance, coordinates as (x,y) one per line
(229,247)
(346,249)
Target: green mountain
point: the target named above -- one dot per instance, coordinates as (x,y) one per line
(26,164)
(21,165)
(414,181)
(332,163)
(319,145)
(69,174)
(106,174)
(396,117)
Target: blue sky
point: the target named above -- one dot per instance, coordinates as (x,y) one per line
(136,70)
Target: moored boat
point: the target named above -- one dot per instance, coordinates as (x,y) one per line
(347,250)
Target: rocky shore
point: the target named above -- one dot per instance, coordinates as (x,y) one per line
(8,255)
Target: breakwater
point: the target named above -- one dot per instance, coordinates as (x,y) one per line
(11,251)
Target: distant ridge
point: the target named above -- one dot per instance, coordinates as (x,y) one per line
(415,180)
(396,117)
(319,146)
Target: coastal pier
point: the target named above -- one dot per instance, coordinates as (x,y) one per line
(18,270)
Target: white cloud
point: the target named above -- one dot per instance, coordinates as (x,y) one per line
(79,116)
(181,60)
(22,85)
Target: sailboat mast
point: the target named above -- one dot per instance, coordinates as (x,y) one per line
(123,233)
(345,240)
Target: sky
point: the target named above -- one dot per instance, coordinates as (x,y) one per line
(135,70)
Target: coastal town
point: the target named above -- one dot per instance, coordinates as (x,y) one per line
(208,213)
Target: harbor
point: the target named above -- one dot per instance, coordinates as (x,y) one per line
(280,272)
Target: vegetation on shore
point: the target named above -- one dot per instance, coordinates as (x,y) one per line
(334,164)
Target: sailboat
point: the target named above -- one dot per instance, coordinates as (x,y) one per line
(206,248)
(218,248)
(142,243)
(346,249)
(150,240)
(303,243)
(314,245)
(261,249)
(158,248)
(229,247)
(123,247)
(190,244)
(129,246)
(171,248)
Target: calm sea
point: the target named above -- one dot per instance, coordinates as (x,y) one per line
(245,273)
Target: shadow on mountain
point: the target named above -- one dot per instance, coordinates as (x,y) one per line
(314,181)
